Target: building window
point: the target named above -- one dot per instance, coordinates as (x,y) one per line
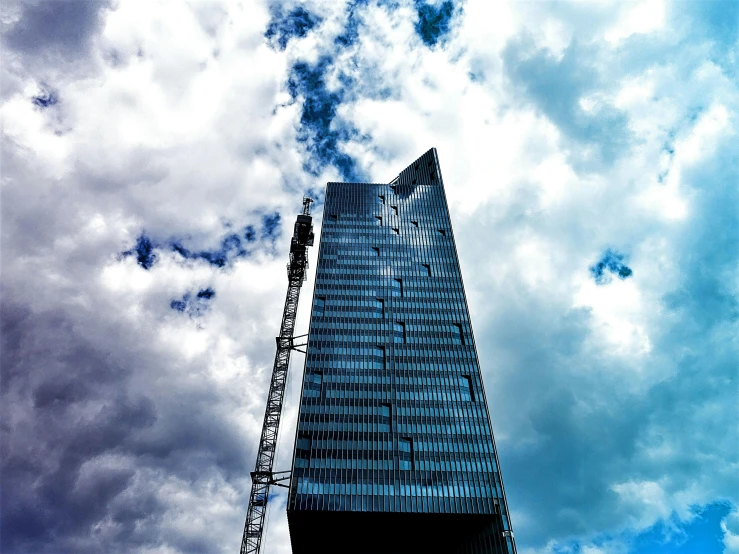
(379,361)
(396,230)
(302,450)
(382,198)
(385,418)
(376,250)
(415,223)
(405,453)
(399,332)
(397,285)
(379,307)
(413,182)
(395,210)
(468,393)
(314,384)
(443,232)
(319,306)
(379,219)
(426,269)
(394,187)
(332,218)
(457,334)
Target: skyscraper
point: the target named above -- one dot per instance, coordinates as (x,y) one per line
(394,449)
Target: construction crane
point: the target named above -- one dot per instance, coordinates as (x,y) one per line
(263,476)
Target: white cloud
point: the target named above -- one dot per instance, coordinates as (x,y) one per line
(730,527)
(646,500)
(643,17)
(618,317)
(609,402)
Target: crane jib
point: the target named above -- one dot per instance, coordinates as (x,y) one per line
(263,476)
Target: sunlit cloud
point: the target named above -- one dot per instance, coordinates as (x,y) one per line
(154,158)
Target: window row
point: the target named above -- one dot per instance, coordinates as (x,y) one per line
(441,445)
(404,357)
(460,428)
(317,384)
(459,489)
(412,504)
(405,412)
(404,460)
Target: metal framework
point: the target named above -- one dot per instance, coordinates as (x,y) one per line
(263,476)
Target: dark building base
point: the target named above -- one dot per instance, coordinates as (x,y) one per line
(330,532)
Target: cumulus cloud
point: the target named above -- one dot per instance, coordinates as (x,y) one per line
(63,29)
(730,528)
(154,159)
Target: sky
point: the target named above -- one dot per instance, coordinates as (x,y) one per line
(153,158)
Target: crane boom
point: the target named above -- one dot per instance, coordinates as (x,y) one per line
(263,476)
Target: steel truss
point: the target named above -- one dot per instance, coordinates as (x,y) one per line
(263,476)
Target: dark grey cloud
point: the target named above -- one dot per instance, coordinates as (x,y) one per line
(110,433)
(55,29)
(80,442)
(65,404)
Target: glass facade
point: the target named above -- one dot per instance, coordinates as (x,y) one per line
(393,434)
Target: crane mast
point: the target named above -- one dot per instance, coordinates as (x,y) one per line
(263,476)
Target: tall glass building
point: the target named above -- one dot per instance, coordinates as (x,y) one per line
(394,450)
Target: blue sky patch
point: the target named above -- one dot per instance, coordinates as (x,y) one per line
(433,21)
(271,226)
(250,234)
(719,19)
(230,249)
(194,305)
(144,252)
(610,264)
(45,98)
(296,24)
(207,294)
(351,31)
(320,138)
(701,534)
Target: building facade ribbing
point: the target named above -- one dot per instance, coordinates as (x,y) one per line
(394,450)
